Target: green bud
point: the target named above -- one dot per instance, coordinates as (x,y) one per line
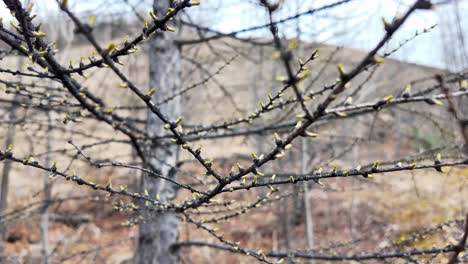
(92,20)
(311,135)
(378,59)
(153,15)
(179,120)
(39,34)
(152,92)
(280,79)
(340,68)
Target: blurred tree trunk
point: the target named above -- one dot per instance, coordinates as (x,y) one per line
(307,204)
(6,179)
(5,176)
(158,231)
(47,195)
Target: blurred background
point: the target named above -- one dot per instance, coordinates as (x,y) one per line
(225,79)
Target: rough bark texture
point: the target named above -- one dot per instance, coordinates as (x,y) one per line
(159,231)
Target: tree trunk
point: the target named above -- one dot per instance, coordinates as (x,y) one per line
(47,196)
(5,182)
(158,231)
(309,220)
(5,176)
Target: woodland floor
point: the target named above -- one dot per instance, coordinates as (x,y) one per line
(350,216)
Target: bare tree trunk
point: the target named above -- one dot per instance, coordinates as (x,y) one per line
(286,224)
(47,196)
(307,205)
(305,158)
(159,231)
(5,180)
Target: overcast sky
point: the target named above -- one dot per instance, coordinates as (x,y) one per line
(356,24)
